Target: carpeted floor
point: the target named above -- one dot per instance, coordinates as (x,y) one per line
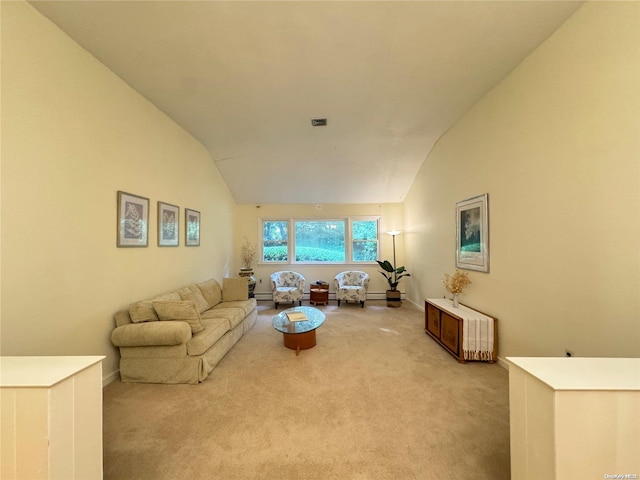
(375,399)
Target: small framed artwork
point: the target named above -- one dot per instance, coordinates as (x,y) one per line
(192,227)
(168,222)
(133,220)
(472,233)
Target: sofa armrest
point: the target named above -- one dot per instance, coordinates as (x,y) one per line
(151,334)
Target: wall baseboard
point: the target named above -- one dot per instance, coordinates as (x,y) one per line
(419,307)
(503,363)
(110,378)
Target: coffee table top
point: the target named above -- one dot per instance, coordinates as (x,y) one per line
(315,318)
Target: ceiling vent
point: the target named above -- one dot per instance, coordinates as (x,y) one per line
(318,122)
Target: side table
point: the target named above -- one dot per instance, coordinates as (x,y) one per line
(319,293)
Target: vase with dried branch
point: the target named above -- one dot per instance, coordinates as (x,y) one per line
(248,255)
(455,284)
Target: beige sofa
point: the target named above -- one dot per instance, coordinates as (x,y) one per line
(179,337)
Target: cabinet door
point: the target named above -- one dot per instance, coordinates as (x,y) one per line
(433,320)
(450,333)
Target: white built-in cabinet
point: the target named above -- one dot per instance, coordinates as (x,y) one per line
(574,418)
(51,418)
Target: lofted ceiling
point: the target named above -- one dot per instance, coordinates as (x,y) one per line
(246,77)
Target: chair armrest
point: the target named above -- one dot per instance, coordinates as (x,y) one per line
(151,334)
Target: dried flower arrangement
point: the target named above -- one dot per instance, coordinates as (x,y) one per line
(247,253)
(457,282)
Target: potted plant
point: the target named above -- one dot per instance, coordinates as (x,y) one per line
(393,276)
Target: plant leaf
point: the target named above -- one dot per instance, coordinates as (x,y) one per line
(386,266)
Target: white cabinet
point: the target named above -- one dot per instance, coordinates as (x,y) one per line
(574,418)
(51,418)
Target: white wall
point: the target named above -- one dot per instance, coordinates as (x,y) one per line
(556,146)
(248,225)
(73,134)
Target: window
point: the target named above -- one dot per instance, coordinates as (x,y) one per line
(364,237)
(319,241)
(275,241)
(339,241)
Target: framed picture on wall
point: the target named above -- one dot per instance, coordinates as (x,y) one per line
(192,227)
(472,233)
(168,225)
(133,220)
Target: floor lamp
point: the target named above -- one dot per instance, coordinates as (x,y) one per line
(393,234)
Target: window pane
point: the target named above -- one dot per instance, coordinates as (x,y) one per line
(365,240)
(320,241)
(365,251)
(275,241)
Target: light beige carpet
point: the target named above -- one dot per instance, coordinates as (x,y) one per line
(375,399)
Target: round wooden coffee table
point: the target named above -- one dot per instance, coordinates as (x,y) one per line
(299,335)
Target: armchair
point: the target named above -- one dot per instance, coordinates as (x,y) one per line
(287,287)
(351,286)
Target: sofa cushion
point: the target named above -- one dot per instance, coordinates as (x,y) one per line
(167,297)
(184,311)
(211,291)
(246,305)
(233,315)
(214,330)
(235,288)
(122,318)
(142,312)
(193,294)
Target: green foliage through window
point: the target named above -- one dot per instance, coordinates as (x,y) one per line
(320,241)
(365,240)
(275,241)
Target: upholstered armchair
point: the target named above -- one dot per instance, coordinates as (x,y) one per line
(351,286)
(287,287)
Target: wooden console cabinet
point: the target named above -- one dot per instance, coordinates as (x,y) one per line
(319,293)
(445,324)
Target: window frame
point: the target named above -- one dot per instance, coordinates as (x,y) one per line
(352,240)
(261,223)
(348,242)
